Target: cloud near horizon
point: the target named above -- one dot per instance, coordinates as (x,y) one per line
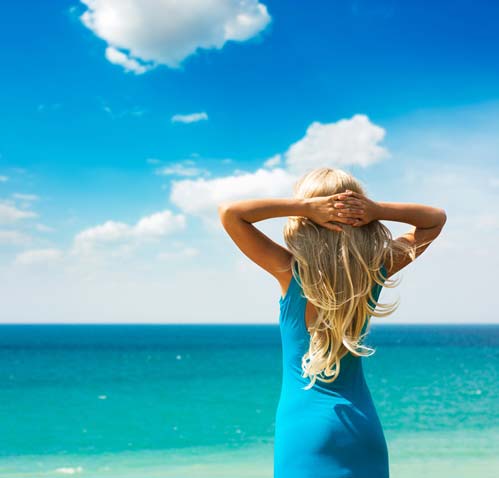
(151,227)
(442,178)
(10,213)
(14,238)
(37,256)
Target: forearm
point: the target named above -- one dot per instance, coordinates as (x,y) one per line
(419,215)
(254,210)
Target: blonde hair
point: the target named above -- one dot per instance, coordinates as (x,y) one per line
(337,272)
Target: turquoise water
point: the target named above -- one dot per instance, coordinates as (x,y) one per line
(199,401)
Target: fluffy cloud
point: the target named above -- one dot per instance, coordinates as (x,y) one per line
(10,214)
(201,196)
(37,256)
(150,227)
(347,142)
(159,224)
(144,33)
(190,118)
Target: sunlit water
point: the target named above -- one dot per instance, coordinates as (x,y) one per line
(195,401)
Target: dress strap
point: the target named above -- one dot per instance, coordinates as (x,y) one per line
(293,287)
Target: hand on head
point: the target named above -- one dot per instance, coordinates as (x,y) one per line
(349,207)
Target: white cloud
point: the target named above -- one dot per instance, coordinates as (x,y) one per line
(185,168)
(110,231)
(150,227)
(190,118)
(10,214)
(159,224)
(201,196)
(37,256)
(273,161)
(26,197)
(144,33)
(14,238)
(458,177)
(4,179)
(129,64)
(347,142)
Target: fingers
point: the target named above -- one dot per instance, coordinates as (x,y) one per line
(347,207)
(350,212)
(341,196)
(359,222)
(338,196)
(353,194)
(350,201)
(347,194)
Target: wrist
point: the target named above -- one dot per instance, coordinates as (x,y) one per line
(378,210)
(305,206)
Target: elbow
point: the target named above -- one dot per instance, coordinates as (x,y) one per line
(224,209)
(440,220)
(228,214)
(443,217)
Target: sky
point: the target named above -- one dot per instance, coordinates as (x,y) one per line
(124,123)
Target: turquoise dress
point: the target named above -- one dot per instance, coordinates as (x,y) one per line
(331,430)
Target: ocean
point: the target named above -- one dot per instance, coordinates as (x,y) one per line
(198,401)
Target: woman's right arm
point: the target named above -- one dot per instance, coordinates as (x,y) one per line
(428,222)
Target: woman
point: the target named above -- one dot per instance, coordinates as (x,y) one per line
(338,257)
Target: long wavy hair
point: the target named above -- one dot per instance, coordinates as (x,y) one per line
(337,272)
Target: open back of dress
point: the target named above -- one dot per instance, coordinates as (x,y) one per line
(331,430)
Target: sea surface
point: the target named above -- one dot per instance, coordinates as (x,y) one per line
(197,401)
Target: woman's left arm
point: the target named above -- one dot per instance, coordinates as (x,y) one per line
(237,218)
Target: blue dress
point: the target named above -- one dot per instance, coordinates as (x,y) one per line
(331,430)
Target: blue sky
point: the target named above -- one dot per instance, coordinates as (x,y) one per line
(89,146)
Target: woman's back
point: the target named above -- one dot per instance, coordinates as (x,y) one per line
(336,232)
(332,429)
